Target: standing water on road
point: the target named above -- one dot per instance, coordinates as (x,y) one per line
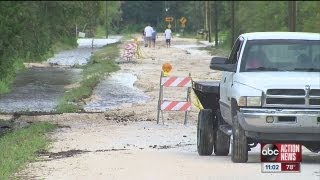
(194,48)
(115,91)
(37,89)
(82,54)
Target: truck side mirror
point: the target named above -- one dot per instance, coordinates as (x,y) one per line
(218,60)
(219,63)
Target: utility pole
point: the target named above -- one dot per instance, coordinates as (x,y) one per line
(232,23)
(209,19)
(204,10)
(107,23)
(292,14)
(216,18)
(206,19)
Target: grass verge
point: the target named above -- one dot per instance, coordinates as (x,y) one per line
(101,63)
(128,36)
(8,78)
(220,51)
(18,147)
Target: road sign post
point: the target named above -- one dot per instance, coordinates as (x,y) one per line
(169,19)
(183,21)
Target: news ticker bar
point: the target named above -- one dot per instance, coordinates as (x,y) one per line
(280,167)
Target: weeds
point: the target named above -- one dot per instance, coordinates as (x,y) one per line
(101,63)
(19,147)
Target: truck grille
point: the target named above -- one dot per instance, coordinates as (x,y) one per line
(285,92)
(315,92)
(293,98)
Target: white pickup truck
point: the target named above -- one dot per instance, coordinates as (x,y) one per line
(269,92)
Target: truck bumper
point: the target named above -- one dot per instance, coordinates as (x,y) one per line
(281,124)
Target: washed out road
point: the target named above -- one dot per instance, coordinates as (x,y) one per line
(126,143)
(38,88)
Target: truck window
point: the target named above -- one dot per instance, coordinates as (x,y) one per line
(234,55)
(281,55)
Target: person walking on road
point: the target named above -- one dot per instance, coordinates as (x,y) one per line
(167,34)
(148,34)
(154,37)
(144,38)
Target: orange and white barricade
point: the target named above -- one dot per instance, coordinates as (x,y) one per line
(129,51)
(165,105)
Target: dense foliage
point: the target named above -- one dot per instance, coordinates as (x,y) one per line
(29,29)
(249,15)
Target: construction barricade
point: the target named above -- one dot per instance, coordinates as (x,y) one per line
(166,105)
(129,51)
(132,50)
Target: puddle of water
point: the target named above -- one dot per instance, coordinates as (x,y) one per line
(82,54)
(79,56)
(38,89)
(193,48)
(97,43)
(114,91)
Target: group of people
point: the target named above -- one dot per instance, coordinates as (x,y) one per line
(150,34)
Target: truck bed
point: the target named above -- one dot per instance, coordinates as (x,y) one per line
(207,86)
(208,92)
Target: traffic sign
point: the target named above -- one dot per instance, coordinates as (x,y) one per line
(169,19)
(183,20)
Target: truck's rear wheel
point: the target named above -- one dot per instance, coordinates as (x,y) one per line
(205,132)
(221,140)
(239,142)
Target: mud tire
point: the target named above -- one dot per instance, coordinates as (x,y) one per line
(205,135)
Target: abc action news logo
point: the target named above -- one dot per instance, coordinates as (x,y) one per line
(281,153)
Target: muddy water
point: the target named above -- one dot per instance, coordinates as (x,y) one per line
(97,43)
(82,54)
(193,49)
(78,56)
(37,89)
(115,91)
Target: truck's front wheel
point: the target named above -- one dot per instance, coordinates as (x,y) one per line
(205,133)
(239,142)
(221,140)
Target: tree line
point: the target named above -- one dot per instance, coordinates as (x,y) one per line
(248,16)
(30,29)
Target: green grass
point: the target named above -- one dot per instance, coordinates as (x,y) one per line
(220,51)
(63,44)
(129,36)
(7,79)
(60,46)
(19,147)
(101,63)
(100,32)
(4,87)
(187,35)
(18,66)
